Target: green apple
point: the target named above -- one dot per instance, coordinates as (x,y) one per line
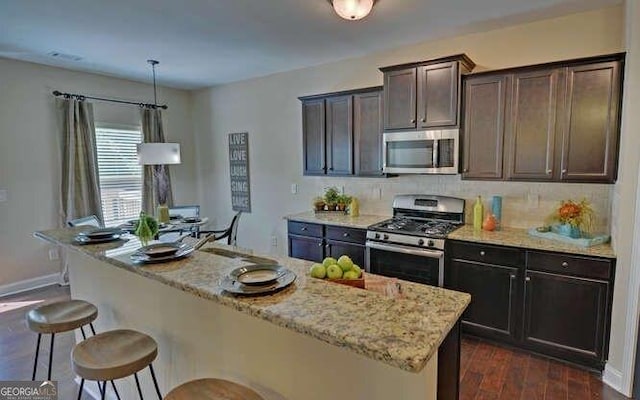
(328,261)
(345,263)
(350,275)
(357,269)
(334,271)
(318,271)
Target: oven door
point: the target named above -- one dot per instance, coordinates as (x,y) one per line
(404,262)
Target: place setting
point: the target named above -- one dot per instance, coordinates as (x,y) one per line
(162,252)
(257,279)
(99,235)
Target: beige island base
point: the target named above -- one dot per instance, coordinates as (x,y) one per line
(314,340)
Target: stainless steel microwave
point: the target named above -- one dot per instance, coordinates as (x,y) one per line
(423,152)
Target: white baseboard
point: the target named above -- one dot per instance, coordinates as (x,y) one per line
(29,284)
(612,377)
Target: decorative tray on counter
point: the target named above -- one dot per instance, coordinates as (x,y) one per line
(581,242)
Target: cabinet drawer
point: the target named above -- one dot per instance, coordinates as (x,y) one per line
(346,234)
(305,229)
(569,265)
(486,254)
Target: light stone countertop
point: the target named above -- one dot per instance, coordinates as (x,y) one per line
(403,333)
(520,238)
(363,221)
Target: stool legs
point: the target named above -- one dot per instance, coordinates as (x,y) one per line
(80,391)
(35,362)
(155,381)
(53,336)
(138,385)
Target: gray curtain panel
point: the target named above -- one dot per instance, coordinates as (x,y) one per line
(80,186)
(155,176)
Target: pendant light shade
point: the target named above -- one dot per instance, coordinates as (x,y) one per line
(352,10)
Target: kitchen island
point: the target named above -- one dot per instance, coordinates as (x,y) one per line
(312,340)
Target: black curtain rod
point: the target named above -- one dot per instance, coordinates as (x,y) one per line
(81,97)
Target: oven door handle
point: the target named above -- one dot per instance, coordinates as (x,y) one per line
(406,250)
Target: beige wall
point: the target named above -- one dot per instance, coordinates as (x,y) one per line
(269,110)
(29,159)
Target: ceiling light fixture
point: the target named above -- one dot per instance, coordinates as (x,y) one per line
(352,10)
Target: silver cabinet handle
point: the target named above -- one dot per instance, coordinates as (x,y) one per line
(549,172)
(423,120)
(320,244)
(565,264)
(482,253)
(304,228)
(413,121)
(564,171)
(527,278)
(465,170)
(512,276)
(345,234)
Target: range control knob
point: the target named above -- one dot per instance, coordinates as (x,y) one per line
(431,243)
(420,242)
(386,237)
(377,236)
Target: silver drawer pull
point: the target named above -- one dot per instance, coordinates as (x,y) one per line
(304,228)
(482,253)
(345,234)
(512,276)
(528,278)
(565,264)
(320,244)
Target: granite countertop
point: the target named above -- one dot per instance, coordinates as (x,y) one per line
(363,221)
(520,238)
(402,332)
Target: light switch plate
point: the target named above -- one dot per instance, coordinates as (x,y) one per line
(294,188)
(4,194)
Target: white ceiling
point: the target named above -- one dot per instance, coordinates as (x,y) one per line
(203,43)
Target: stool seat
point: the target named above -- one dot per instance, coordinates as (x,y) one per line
(113,355)
(61,316)
(212,389)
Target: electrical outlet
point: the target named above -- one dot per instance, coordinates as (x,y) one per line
(53,254)
(274,241)
(294,188)
(4,194)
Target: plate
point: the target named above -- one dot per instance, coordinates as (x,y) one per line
(175,216)
(161,249)
(191,220)
(141,257)
(84,239)
(233,286)
(101,233)
(258,274)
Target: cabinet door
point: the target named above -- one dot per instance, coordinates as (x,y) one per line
(566,316)
(485,106)
(306,248)
(340,135)
(494,289)
(438,95)
(367,131)
(356,252)
(400,99)
(313,137)
(591,113)
(531,130)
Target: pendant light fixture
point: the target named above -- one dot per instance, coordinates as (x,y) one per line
(352,10)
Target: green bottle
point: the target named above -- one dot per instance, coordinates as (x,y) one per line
(478,211)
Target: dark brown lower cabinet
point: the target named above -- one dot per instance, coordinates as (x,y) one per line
(566,316)
(551,303)
(495,293)
(314,242)
(306,247)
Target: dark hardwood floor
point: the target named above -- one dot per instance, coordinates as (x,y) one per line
(487,371)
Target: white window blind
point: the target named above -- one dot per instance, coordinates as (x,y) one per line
(120,174)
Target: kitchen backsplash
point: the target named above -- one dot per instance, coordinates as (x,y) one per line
(524,205)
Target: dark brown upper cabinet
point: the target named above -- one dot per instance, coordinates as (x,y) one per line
(339,135)
(342,133)
(559,122)
(367,131)
(483,140)
(424,95)
(313,137)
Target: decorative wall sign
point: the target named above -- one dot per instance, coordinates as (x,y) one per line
(239,170)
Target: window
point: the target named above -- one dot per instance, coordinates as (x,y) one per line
(120,174)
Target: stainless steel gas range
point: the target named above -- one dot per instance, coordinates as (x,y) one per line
(410,245)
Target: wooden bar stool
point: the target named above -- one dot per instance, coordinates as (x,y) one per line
(212,389)
(113,355)
(59,317)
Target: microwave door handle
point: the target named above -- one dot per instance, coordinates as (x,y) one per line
(434,154)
